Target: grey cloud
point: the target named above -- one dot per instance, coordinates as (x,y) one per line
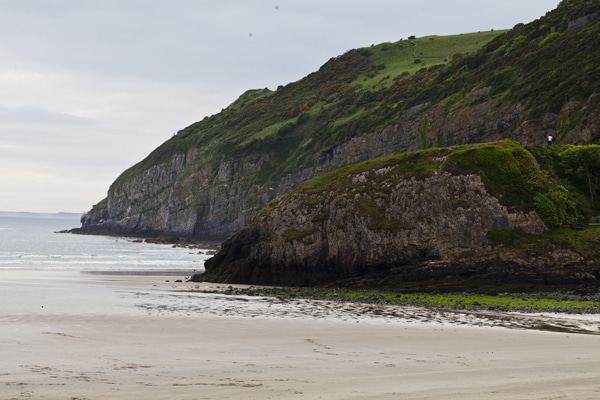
(197,40)
(38,115)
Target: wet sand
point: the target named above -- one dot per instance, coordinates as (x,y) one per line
(119,337)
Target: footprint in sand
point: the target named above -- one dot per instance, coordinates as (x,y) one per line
(320,347)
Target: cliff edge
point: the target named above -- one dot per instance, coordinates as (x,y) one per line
(429,220)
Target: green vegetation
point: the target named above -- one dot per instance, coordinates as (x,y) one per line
(508,171)
(576,171)
(399,59)
(561,183)
(419,164)
(293,234)
(549,38)
(527,178)
(543,65)
(586,242)
(523,303)
(546,209)
(582,165)
(298,120)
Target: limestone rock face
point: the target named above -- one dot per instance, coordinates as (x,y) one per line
(311,239)
(194,194)
(178,197)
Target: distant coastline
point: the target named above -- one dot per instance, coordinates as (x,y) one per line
(25,214)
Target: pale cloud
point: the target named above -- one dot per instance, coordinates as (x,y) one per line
(25,114)
(89,88)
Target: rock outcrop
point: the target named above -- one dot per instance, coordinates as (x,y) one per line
(374,226)
(313,239)
(178,198)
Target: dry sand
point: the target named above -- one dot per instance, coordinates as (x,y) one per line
(118,337)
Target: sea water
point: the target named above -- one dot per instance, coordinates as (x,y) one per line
(32,243)
(43,272)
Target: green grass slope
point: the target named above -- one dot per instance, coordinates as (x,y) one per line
(297,119)
(525,178)
(548,66)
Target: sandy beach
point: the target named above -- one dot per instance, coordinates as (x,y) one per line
(77,336)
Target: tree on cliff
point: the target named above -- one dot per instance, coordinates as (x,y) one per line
(582,164)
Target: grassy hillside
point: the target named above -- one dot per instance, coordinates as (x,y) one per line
(299,118)
(527,178)
(409,56)
(547,66)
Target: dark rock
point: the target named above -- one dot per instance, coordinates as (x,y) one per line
(424,244)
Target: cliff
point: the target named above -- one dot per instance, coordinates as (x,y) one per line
(208,181)
(427,220)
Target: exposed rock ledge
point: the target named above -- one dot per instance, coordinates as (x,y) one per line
(434,237)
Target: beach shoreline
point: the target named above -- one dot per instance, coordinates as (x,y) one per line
(148,336)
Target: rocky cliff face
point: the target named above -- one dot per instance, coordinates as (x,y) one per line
(180,197)
(186,195)
(311,239)
(401,233)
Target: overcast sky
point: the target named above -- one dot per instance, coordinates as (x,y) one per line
(90,87)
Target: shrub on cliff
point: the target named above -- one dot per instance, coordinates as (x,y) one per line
(508,170)
(582,165)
